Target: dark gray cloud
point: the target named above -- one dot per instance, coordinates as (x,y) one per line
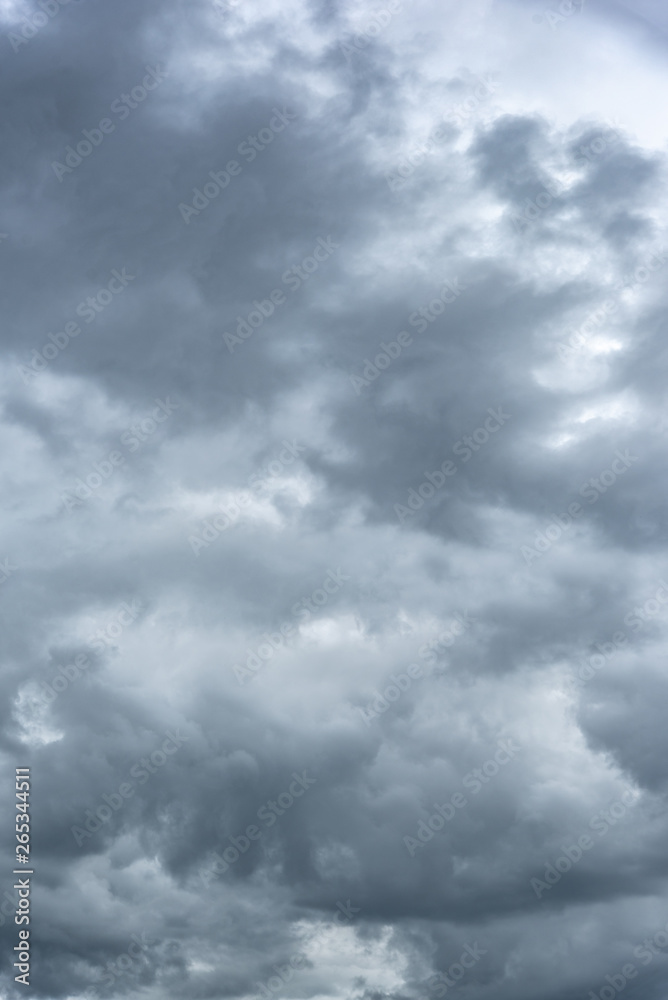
(332,562)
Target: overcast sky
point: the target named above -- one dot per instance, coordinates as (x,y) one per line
(334,471)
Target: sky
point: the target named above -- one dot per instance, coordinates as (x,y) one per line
(333,571)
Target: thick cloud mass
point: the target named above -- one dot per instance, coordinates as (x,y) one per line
(334,577)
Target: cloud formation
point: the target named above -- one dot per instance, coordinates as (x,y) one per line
(332,568)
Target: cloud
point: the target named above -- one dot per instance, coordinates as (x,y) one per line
(503,312)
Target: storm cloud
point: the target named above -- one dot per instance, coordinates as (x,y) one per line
(333,559)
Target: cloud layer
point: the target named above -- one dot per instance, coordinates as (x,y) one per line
(334,415)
